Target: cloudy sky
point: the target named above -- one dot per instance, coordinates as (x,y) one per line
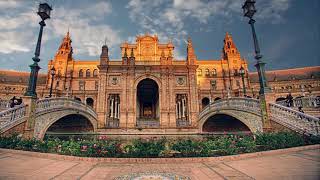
(288,30)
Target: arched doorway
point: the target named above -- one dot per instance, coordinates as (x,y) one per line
(73,123)
(89,102)
(222,123)
(147,100)
(205,102)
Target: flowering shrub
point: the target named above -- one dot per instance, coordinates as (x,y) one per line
(183,147)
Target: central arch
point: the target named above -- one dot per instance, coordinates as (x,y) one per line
(147,100)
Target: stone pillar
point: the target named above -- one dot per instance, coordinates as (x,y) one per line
(30,116)
(111,106)
(183,107)
(101,100)
(193,97)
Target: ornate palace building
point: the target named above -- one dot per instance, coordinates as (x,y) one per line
(149,88)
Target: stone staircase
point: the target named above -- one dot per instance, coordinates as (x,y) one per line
(11,117)
(300,122)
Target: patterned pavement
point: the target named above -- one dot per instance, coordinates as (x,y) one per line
(293,165)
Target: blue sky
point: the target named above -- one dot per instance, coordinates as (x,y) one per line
(288,30)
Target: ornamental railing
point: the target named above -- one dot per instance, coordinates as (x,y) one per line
(12,116)
(243,104)
(4,104)
(145,123)
(305,102)
(45,105)
(113,123)
(295,120)
(182,123)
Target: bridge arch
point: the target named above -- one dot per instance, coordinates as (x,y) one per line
(245,110)
(224,123)
(249,120)
(45,121)
(49,111)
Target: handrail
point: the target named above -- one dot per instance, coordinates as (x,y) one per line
(10,116)
(44,104)
(235,102)
(306,102)
(295,120)
(4,104)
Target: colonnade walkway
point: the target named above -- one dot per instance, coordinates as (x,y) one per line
(298,164)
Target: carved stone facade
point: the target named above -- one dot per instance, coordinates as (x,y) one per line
(149,88)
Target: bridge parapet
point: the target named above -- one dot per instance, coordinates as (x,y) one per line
(306,102)
(12,116)
(295,120)
(244,104)
(45,105)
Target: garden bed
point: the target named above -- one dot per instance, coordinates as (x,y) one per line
(160,147)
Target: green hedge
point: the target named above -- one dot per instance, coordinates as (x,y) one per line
(183,147)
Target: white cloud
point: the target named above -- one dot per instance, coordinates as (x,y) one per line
(87,36)
(19,29)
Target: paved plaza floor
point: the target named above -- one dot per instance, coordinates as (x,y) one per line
(295,165)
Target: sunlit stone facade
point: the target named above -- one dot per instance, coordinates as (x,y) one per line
(149,87)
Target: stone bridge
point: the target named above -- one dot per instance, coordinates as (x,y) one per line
(47,112)
(248,111)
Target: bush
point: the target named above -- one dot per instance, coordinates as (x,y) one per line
(183,147)
(278,140)
(144,148)
(187,147)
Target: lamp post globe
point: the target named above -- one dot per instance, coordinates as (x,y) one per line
(44,13)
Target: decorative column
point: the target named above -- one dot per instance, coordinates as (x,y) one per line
(111,107)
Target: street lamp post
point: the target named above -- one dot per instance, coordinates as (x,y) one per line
(249,10)
(52,72)
(44,13)
(242,73)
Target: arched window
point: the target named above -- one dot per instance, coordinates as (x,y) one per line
(89,102)
(95,73)
(207,72)
(80,73)
(205,102)
(214,72)
(88,73)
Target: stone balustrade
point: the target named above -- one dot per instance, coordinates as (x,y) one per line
(148,124)
(182,123)
(113,123)
(4,104)
(43,105)
(305,102)
(12,115)
(295,120)
(242,104)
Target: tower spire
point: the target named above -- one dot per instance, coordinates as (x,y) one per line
(191,57)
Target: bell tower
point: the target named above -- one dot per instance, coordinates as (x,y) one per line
(63,63)
(233,60)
